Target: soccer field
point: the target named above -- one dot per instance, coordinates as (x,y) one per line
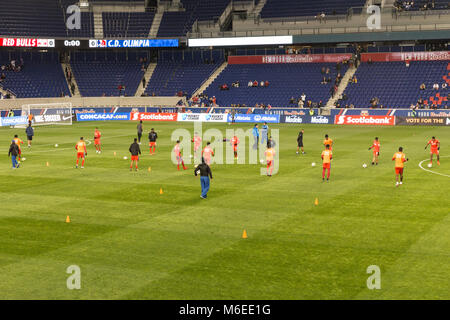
(131,242)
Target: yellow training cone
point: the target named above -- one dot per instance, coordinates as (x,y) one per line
(149,169)
(244,234)
(67,219)
(316,202)
(115,153)
(48,164)
(160,191)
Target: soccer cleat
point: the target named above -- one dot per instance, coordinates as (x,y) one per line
(438,163)
(297,152)
(396,184)
(76,166)
(401,182)
(202,197)
(82,167)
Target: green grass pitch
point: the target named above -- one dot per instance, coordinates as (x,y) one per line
(131,242)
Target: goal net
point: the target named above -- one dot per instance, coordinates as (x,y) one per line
(48,113)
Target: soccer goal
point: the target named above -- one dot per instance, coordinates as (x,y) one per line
(48,113)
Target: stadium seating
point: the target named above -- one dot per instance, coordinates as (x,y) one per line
(127,24)
(183,71)
(41,76)
(180,22)
(32,18)
(423,5)
(286,81)
(99,74)
(397,85)
(289,8)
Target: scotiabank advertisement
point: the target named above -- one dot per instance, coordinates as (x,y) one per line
(365,120)
(24,42)
(147,116)
(290,58)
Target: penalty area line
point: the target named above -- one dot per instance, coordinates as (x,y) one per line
(431,171)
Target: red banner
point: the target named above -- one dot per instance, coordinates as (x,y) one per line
(403,56)
(289,58)
(365,120)
(22,42)
(147,116)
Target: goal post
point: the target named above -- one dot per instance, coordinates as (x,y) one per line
(49,113)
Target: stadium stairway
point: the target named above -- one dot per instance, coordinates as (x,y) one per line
(259,7)
(211,79)
(98,25)
(156,23)
(148,75)
(77,91)
(342,86)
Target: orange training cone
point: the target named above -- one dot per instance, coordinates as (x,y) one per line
(48,164)
(149,169)
(115,153)
(316,202)
(160,191)
(244,234)
(68,219)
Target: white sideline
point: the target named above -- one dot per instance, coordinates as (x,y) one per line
(441,174)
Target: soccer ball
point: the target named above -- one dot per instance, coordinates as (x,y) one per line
(261,161)
(56,145)
(364,165)
(430,165)
(313,164)
(125,158)
(23,159)
(191,156)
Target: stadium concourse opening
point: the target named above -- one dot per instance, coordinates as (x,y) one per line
(198,151)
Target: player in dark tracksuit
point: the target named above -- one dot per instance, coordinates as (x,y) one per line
(300,141)
(139,131)
(135,151)
(152,136)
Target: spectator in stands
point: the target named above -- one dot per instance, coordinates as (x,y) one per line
(2,77)
(255,83)
(338,67)
(261,84)
(324,80)
(444,85)
(301,103)
(322,70)
(143,82)
(266,83)
(354,79)
(435,86)
(224,87)
(303,97)
(327,71)
(292,100)
(250,84)
(422,86)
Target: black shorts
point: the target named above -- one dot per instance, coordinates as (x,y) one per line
(300,144)
(30,138)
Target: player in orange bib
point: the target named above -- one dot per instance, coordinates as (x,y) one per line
(19,142)
(97,143)
(327,155)
(328,142)
(234,142)
(207,153)
(376,151)
(81,152)
(270,154)
(435,146)
(399,158)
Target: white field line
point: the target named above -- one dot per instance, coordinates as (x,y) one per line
(441,174)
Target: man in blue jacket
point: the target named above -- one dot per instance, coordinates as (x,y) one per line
(264,132)
(256,136)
